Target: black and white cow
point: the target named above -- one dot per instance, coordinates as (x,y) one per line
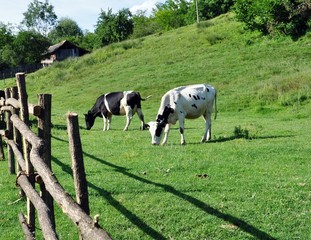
(184,102)
(116,103)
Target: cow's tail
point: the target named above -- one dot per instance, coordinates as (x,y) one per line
(215,104)
(146,98)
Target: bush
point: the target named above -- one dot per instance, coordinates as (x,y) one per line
(274,17)
(240,133)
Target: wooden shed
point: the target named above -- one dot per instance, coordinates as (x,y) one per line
(61,51)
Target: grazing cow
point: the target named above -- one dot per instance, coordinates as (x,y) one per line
(116,103)
(184,102)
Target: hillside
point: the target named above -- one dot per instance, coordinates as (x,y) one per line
(252,181)
(249,71)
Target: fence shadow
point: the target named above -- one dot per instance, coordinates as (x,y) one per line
(117,205)
(244,226)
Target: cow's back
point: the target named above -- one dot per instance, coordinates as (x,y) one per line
(113,102)
(193,100)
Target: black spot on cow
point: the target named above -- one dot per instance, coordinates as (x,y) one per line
(195,97)
(181,130)
(195,106)
(189,95)
(198,97)
(162,118)
(207,89)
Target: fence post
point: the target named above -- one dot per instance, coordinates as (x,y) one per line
(1,145)
(9,127)
(77,162)
(24,115)
(44,132)
(17,138)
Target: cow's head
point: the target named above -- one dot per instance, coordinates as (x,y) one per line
(156,127)
(89,120)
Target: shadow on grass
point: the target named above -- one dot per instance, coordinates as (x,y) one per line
(244,226)
(231,138)
(117,205)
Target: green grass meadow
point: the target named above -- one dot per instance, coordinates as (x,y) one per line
(251,181)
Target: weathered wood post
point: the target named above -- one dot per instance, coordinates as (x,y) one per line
(17,138)
(16,134)
(9,127)
(1,149)
(2,125)
(76,153)
(44,132)
(24,115)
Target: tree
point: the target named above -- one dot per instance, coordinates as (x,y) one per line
(113,27)
(171,14)
(66,28)
(40,17)
(88,41)
(6,51)
(143,25)
(208,9)
(275,17)
(28,47)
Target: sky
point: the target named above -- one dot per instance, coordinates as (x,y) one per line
(84,12)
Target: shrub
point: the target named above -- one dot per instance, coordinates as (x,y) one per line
(240,133)
(274,17)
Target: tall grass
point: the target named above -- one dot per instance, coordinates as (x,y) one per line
(252,181)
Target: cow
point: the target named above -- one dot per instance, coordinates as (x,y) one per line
(183,102)
(116,103)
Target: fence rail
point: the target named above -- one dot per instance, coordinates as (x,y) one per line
(33,155)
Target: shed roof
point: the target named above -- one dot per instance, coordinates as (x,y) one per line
(64,45)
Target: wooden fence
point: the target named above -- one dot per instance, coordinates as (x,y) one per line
(10,72)
(33,165)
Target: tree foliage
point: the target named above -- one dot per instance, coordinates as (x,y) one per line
(212,8)
(171,14)
(66,28)
(28,47)
(40,17)
(274,17)
(113,27)
(143,25)
(6,38)
(23,49)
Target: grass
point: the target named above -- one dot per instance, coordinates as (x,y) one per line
(252,181)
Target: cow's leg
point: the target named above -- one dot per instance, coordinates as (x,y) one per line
(182,128)
(107,121)
(129,116)
(141,117)
(166,132)
(208,126)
